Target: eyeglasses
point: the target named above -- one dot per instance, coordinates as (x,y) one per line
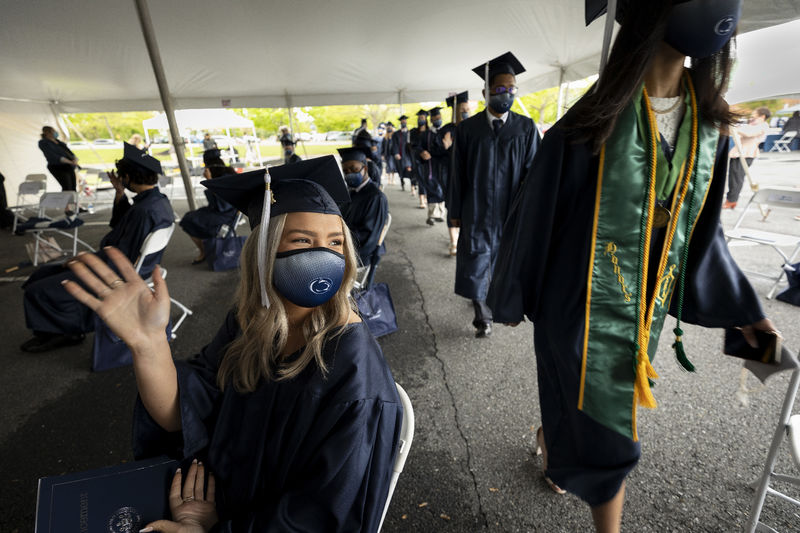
(500,89)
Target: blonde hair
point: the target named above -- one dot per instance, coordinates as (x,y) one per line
(258,352)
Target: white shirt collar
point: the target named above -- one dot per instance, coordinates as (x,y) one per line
(363,184)
(492,118)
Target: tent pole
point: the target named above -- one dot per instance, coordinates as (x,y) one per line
(258,147)
(291,122)
(166,99)
(560,105)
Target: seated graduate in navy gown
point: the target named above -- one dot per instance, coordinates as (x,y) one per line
(292,405)
(205,222)
(365,140)
(368,209)
(54,316)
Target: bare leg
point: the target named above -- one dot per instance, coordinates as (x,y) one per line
(199,243)
(608,516)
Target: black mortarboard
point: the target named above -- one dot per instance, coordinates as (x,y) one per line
(355,153)
(389,125)
(503,64)
(422,112)
(364,138)
(315,185)
(212,156)
(435,111)
(402,117)
(141,158)
(459,98)
(597,8)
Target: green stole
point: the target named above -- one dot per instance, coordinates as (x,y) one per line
(622,326)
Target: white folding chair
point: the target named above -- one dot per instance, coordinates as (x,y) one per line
(29,194)
(403,446)
(56,204)
(788,425)
(779,198)
(36,177)
(782,144)
(154,243)
(363,272)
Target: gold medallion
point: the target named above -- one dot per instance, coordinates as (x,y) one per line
(661,216)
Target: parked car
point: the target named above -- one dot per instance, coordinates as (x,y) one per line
(104,141)
(338,136)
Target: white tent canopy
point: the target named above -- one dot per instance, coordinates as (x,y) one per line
(91,55)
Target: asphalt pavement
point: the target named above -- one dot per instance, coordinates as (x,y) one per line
(471,466)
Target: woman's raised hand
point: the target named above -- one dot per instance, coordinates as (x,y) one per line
(129,308)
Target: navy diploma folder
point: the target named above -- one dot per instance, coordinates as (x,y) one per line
(116,499)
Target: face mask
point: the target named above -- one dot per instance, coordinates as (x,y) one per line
(55,135)
(421,122)
(464,115)
(437,123)
(287,152)
(353,179)
(701,28)
(403,124)
(308,277)
(500,103)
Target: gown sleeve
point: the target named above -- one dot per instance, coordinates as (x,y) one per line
(527,233)
(345,479)
(198,395)
(118,211)
(717,293)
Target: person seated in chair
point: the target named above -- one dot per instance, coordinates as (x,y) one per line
(55,318)
(368,209)
(205,222)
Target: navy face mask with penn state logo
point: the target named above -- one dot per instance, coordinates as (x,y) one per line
(700,28)
(308,277)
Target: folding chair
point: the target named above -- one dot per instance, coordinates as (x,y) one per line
(154,243)
(24,203)
(777,197)
(60,203)
(782,144)
(788,425)
(403,446)
(365,273)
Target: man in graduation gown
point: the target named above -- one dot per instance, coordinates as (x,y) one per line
(439,143)
(364,140)
(55,317)
(368,209)
(419,142)
(386,153)
(447,134)
(402,152)
(289,155)
(493,153)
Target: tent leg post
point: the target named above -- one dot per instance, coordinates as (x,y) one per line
(163,89)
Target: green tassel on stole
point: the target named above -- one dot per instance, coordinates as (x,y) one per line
(680,353)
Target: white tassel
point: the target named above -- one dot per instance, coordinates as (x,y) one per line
(262,240)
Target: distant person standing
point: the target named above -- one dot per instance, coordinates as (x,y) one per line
(358,130)
(137,141)
(401,151)
(289,155)
(61,162)
(460,105)
(386,153)
(493,153)
(208,142)
(751,135)
(793,124)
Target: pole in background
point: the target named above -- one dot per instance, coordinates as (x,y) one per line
(166,99)
(561,96)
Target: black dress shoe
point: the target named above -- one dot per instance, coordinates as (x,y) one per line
(438,219)
(483,329)
(429,222)
(45,343)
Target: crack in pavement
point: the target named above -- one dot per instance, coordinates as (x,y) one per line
(447,387)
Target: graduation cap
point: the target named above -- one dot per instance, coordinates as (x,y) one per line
(389,125)
(597,8)
(402,117)
(212,156)
(435,111)
(355,153)
(459,98)
(503,64)
(141,158)
(422,112)
(310,186)
(364,138)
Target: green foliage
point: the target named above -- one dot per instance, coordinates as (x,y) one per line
(117,126)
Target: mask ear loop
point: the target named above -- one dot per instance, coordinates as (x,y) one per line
(608,32)
(262,240)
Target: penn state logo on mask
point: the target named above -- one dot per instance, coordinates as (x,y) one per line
(320,285)
(725,26)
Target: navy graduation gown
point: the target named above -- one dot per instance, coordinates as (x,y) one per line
(422,170)
(294,158)
(365,216)
(388,154)
(309,454)
(487,172)
(400,146)
(50,309)
(205,222)
(541,274)
(374,172)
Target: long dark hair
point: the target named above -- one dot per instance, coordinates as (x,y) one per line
(593,117)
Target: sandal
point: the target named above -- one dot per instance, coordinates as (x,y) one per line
(453,249)
(541,449)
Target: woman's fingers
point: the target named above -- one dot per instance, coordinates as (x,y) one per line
(123,264)
(199,481)
(99,267)
(77,292)
(159,285)
(163,526)
(175,490)
(188,483)
(88,277)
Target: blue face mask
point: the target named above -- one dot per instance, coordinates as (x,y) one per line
(55,135)
(421,122)
(353,179)
(464,115)
(308,277)
(701,28)
(288,152)
(500,103)
(437,123)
